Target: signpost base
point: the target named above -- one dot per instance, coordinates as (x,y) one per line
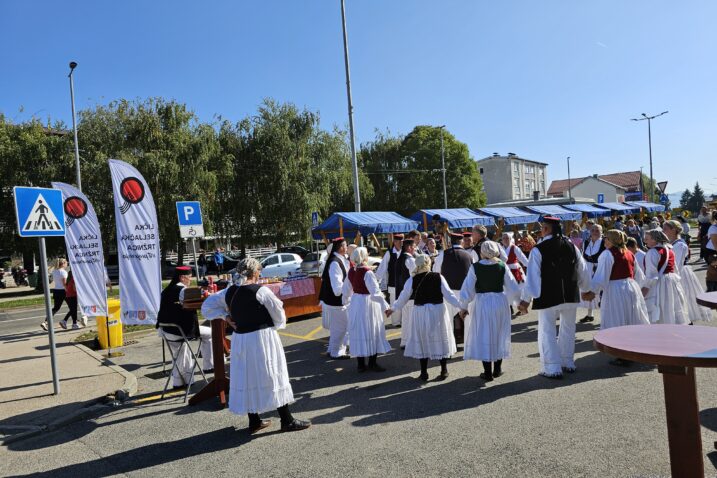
(48,317)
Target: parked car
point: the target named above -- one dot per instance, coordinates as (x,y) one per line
(280,265)
(168,268)
(301,251)
(313,263)
(229,264)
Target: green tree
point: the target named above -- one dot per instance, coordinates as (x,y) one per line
(685,199)
(646,183)
(697,200)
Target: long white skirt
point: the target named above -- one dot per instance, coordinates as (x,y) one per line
(431,333)
(406,322)
(623,304)
(259,377)
(452,311)
(487,337)
(367,332)
(666,301)
(692,288)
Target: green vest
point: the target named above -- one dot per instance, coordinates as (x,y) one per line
(489,277)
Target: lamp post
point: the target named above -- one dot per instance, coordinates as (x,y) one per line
(443,169)
(73,65)
(570,194)
(354,163)
(649,142)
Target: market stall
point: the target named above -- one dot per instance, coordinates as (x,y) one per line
(646,206)
(589,210)
(556,211)
(356,224)
(510,216)
(619,208)
(459,218)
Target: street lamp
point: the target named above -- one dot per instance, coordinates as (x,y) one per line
(570,194)
(649,142)
(443,169)
(354,163)
(73,65)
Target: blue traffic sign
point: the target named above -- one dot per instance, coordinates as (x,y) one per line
(664,199)
(39,212)
(189,213)
(600,198)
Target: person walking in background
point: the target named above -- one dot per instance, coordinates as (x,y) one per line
(59,278)
(634,231)
(704,221)
(202,265)
(71,299)
(219,259)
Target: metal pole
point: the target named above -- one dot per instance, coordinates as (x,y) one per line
(196,266)
(48,316)
(443,169)
(649,142)
(74,126)
(570,194)
(357,195)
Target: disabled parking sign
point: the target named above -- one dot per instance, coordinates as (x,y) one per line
(39,212)
(189,214)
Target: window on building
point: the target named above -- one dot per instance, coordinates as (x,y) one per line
(516,166)
(516,193)
(529,169)
(516,183)
(481,170)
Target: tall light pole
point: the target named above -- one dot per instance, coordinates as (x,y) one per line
(649,142)
(73,65)
(443,169)
(570,194)
(357,194)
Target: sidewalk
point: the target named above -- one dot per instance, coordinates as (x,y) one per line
(17,293)
(88,384)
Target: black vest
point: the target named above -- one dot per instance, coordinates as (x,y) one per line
(172,312)
(248,314)
(427,288)
(392,268)
(401,273)
(559,282)
(476,247)
(326,294)
(593,259)
(455,266)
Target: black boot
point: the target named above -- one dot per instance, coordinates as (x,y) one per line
(361,364)
(424,370)
(444,369)
(372,365)
(289,423)
(487,374)
(256,423)
(497,372)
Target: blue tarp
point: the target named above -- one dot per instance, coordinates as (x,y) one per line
(365,222)
(589,209)
(619,207)
(456,218)
(556,211)
(511,215)
(647,206)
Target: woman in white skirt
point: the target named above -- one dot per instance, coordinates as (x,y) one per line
(690,284)
(259,377)
(662,290)
(432,326)
(622,301)
(492,285)
(366,309)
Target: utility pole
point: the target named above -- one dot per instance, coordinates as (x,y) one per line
(73,65)
(357,194)
(570,194)
(649,142)
(443,169)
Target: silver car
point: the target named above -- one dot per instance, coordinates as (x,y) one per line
(313,263)
(280,265)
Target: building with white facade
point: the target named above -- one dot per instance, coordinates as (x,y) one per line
(509,178)
(608,187)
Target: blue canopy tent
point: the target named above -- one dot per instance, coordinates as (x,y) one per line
(647,206)
(619,208)
(350,223)
(456,218)
(590,210)
(556,211)
(511,215)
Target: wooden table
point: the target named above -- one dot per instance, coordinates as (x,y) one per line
(676,350)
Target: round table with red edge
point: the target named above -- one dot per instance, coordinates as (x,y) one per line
(676,350)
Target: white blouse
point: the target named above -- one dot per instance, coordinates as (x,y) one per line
(215,306)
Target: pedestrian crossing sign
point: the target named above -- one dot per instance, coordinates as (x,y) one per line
(39,212)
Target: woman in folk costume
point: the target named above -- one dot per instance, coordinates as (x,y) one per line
(592,248)
(515,260)
(405,265)
(432,325)
(259,377)
(333,310)
(490,285)
(366,308)
(662,290)
(690,284)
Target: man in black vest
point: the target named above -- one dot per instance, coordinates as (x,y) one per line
(405,265)
(333,311)
(556,273)
(172,312)
(478,235)
(592,248)
(454,264)
(386,272)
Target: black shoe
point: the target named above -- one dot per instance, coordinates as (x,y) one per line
(179,387)
(555,376)
(618,362)
(424,377)
(296,425)
(209,370)
(362,369)
(259,426)
(340,357)
(442,376)
(403,347)
(376,368)
(486,377)
(497,373)
(586,319)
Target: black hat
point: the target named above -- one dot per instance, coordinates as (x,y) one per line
(398,237)
(338,240)
(183,270)
(408,242)
(467,234)
(551,220)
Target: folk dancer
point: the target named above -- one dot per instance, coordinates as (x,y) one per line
(592,249)
(431,330)
(490,285)
(639,254)
(556,273)
(467,241)
(515,260)
(662,290)
(172,312)
(386,273)
(333,311)
(259,377)
(479,235)
(366,308)
(454,264)
(690,284)
(405,266)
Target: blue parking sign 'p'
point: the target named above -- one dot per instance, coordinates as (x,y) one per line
(39,211)
(189,214)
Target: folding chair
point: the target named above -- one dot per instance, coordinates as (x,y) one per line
(182,343)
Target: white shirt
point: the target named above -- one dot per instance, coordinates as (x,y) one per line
(711,232)
(215,306)
(468,290)
(382,271)
(601,279)
(448,295)
(57,277)
(372,286)
(533,281)
(518,254)
(335,274)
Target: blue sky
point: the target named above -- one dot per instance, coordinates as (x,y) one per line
(543,79)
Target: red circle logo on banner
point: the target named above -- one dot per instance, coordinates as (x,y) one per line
(75,207)
(132,190)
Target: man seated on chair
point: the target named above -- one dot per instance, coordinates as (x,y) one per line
(172,312)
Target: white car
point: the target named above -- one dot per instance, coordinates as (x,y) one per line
(280,264)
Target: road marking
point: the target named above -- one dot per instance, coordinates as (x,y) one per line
(393,334)
(303,337)
(24,318)
(314,332)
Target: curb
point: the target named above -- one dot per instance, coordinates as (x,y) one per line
(128,389)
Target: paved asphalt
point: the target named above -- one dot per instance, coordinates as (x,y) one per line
(601,421)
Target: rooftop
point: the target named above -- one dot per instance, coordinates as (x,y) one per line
(628,181)
(510,156)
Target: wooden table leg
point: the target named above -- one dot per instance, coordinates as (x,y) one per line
(219,386)
(683,421)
